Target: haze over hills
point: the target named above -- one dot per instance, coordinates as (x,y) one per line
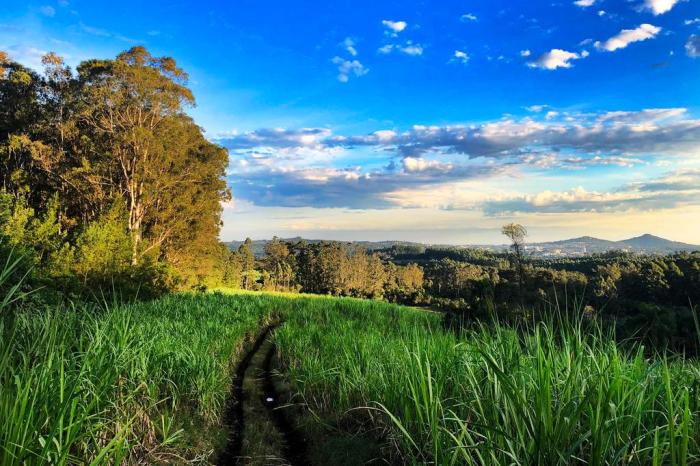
(644,244)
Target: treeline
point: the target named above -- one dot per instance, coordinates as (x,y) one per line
(326,267)
(647,297)
(105,182)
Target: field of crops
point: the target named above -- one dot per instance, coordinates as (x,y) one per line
(148,382)
(552,394)
(132,383)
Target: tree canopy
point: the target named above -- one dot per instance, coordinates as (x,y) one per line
(114,132)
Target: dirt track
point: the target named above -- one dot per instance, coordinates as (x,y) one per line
(260,431)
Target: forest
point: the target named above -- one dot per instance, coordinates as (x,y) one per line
(648,297)
(105,182)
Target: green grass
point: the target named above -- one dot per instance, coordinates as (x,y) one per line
(493,395)
(147,383)
(134,383)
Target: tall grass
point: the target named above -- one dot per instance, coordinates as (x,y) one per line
(87,386)
(142,383)
(550,394)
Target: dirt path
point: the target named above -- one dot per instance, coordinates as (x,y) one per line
(294,442)
(260,432)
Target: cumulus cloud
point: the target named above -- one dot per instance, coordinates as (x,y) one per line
(525,53)
(468,17)
(347,68)
(394,27)
(315,167)
(628,36)
(26,55)
(668,191)
(575,200)
(548,160)
(384,135)
(353,187)
(277,138)
(584,3)
(555,58)
(411,49)
(408,48)
(651,131)
(419,164)
(692,46)
(690,22)
(679,180)
(349,46)
(460,57)
(659,7)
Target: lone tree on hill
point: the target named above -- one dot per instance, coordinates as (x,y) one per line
(516,233)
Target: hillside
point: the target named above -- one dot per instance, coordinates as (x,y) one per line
(654,243)
(644,244)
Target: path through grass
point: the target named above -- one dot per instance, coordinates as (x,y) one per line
(148,383)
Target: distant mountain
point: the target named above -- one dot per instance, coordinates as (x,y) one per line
(654,243)
(645,244)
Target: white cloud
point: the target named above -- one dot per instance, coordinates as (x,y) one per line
(692,46)
(659,7)
(349,45)
(346,68)
(385,135)
(394,27)
(584,3)
(26,55)
(689,22)
(412,49)
(461,57)
(671,190)
(555,58)
(316,168)
(419,164)
(468,17)
(601,12)
(628,36)
(584,53)
(536,108)
(525,53)
(47,10)
(409,48)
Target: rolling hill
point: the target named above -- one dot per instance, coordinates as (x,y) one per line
(644,244)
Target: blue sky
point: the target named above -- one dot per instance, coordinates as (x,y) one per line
(429,121)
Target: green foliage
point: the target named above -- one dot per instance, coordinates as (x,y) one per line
(552,393)
(144,382)
(103,250)
(72,145)
(137,384)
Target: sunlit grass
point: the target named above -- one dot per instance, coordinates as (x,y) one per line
(79,385)
(145,382)
(554,394)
